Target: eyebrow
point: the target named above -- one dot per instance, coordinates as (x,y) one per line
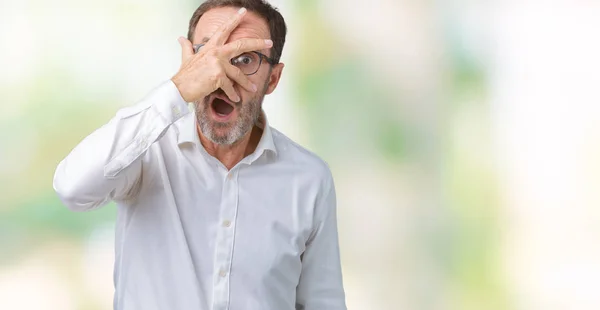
(205,39)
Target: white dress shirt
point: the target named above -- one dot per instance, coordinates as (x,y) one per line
(192,235)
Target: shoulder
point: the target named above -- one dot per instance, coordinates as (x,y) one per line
(291,153)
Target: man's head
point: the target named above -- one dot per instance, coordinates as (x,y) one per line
(272,17)
(261,22)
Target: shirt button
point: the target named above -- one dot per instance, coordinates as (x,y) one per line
(176,111)
(222,273)
(226,223)
(230,176)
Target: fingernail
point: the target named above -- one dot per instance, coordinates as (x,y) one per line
(269,43)
(254,87)
(242,11)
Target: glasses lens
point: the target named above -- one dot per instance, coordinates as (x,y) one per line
(248,62)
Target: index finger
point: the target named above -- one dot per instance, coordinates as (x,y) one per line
(241,46)
(221,36)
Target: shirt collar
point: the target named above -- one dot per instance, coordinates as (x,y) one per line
(266,140)
(187,133)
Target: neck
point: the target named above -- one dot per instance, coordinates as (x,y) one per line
(231,154)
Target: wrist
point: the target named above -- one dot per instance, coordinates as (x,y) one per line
(181,88)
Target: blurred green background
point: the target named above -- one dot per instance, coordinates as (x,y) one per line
(464,138)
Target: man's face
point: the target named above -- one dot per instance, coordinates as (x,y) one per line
(220,122)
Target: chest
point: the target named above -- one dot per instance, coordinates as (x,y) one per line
(262,212)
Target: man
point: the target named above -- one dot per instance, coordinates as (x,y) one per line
(216,210)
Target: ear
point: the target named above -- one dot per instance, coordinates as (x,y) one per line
(274,78)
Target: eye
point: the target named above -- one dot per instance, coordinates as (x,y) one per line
(242,60)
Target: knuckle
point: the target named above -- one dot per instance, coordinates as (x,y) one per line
(215,75)
(220,71)
(213,78)
(213,53)
(239,45)
(215,62)
(222,50)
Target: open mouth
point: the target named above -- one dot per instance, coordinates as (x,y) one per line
(222,107)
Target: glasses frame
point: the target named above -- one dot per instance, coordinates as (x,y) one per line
(261,56)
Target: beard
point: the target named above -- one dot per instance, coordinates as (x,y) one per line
(229,132)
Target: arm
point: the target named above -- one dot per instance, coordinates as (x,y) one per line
(320,286)
(106,165)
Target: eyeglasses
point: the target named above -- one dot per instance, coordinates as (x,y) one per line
(248,63)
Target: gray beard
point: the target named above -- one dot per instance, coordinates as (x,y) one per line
(247,117)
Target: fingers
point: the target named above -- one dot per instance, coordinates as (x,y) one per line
(240,78)
(187,50)
(246,45)
(227,87)
(221,36)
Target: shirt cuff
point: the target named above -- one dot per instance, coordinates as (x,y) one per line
(169,103)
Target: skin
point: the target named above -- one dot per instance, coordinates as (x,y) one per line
(227,32)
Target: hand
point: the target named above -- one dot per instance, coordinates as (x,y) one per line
(210,69)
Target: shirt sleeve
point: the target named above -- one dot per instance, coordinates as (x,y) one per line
(106,165)
(320,286)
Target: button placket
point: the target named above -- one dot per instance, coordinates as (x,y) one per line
(225,240)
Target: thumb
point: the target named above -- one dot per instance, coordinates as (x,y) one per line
(187,50)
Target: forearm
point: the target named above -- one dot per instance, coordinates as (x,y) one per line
(107,165)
